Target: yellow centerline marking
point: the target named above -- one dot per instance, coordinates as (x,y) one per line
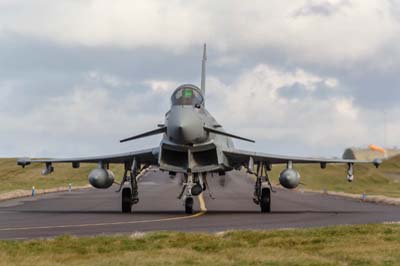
(103,224)
(202,203)
(203,211)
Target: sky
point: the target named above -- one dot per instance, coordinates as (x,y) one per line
(301,77)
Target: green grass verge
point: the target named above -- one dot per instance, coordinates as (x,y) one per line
(382,181)
(13,177)
(340,245)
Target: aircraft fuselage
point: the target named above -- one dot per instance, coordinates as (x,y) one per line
(186,146)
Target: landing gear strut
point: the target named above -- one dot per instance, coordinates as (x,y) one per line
(262,195)
(262,188)
(130,195)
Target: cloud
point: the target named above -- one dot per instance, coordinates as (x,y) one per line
(91,117)
(322,8)
(162,86)
(107,79)
(339,33)
(302,77)
(257,101)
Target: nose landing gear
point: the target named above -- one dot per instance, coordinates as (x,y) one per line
(189,205)
(193,185)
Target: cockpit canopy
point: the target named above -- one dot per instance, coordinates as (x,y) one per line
(187,95)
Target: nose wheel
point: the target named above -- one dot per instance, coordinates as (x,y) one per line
(189,205)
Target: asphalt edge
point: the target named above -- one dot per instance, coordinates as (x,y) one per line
(360,197)
(22,193)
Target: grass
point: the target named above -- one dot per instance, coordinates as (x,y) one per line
(382,181)
(339,245)
(13,177)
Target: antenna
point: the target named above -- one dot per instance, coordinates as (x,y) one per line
(203,71)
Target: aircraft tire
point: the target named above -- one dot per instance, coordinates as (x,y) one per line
(126,200)
(189,205)
(265,201)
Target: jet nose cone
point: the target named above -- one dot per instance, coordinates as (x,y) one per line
(185,126)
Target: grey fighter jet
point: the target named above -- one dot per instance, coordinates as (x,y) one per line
(194,145)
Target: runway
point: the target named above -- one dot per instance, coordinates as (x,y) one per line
(94,212)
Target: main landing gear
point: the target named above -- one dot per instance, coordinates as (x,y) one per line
(265,200)
(262,188)
(262,195)
(126,200)
(130,195)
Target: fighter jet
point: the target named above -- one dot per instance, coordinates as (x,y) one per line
(194,145)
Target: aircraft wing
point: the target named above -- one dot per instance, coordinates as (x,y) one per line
(241,157)
(149,156)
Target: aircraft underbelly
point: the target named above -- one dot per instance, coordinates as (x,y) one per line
(184,159)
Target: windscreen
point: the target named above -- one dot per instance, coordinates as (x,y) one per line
(187,96)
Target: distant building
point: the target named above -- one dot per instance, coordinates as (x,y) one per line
(368,154)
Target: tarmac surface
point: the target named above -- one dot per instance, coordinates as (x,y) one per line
(95,212)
